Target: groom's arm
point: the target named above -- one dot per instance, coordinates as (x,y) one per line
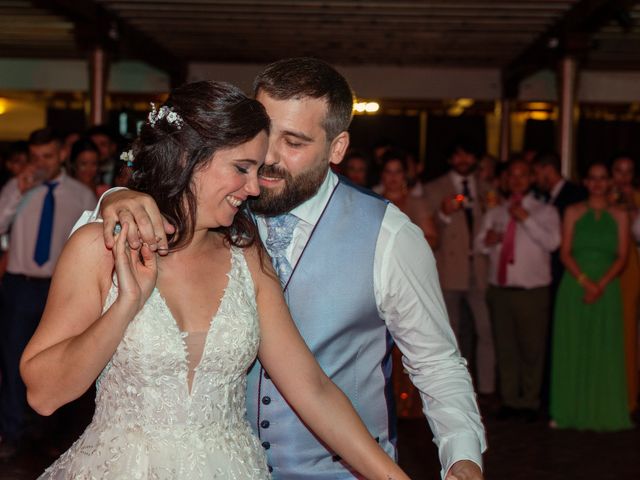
(410,301)
(90,216)
(139,211)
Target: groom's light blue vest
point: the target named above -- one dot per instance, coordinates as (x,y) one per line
(331,298)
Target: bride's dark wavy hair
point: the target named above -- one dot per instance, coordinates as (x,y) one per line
(215,116)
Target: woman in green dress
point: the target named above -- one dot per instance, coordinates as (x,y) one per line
(588,385)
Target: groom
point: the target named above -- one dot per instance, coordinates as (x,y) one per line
(357,275)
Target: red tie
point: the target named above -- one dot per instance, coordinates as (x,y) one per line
(507,254)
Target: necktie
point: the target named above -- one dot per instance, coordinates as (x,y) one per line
(468,208)
(43,241)
(279,235)
(507,254)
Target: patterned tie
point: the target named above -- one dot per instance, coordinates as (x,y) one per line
(280,232)
(43,242)
(508,251)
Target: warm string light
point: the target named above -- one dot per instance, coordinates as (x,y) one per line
(366,107)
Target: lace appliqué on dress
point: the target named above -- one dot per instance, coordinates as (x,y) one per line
(149,424)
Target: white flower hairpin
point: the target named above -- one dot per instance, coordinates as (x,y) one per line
(167,113)
(127,157)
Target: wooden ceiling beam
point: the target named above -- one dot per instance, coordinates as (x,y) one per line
(95,24)
(571,34)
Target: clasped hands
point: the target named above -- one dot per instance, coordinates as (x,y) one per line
(592,290)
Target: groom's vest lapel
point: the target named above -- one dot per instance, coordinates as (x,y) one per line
(332,301)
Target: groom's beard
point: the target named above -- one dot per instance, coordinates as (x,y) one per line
(296,189)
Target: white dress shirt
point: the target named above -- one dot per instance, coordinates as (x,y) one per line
(536,238)
(21,212)
(409,300)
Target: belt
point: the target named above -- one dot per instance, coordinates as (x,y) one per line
(29,278)
(513,289)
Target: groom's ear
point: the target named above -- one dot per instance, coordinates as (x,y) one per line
(338,147)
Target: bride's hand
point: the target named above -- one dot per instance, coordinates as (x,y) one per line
(136,276)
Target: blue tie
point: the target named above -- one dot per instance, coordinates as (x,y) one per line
(279,235)
(43,242)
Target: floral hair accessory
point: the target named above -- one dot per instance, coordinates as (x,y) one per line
(167,113)
(127,157)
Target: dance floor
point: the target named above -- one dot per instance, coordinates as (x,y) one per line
(517,451)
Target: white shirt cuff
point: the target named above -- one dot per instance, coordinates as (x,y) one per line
(460,447)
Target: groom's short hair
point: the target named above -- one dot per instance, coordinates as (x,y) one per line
(310,77)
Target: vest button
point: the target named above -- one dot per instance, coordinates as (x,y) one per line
(266,445)
(266,400)
(270,468)
(265,423)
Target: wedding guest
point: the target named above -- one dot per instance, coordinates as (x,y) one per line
(395,188)
(412,170)
(378,276)
(519,236)
(67,142)
(624,194)
(104,139)
(356,167)
(459,201)
(83,165)
(487,169)
(588,386)
(559,192)
(171,338)
(14,161)
(40,206)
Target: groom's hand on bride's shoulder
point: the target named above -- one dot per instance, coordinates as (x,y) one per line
(140,212)
(464,470)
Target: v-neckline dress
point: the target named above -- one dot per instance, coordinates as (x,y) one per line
(157,416)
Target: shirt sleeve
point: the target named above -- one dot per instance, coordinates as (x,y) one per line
(410,302)
(543,226)
(478,243)
(10,197)
(89,216)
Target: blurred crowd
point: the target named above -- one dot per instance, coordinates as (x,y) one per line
(539,274)
(47,180)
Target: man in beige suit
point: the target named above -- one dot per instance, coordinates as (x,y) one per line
(459,200)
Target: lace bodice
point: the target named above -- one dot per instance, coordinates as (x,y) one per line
(144,401)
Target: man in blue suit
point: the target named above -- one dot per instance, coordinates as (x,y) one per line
(357,275)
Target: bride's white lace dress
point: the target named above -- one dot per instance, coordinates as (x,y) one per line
(149,423)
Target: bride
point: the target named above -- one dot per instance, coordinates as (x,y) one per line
(171,338)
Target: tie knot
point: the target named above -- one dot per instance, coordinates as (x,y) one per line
(280,232)
(51,185)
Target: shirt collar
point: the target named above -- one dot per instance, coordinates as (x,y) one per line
(457,178)
(310,210)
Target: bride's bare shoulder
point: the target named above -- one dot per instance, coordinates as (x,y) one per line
(85,253)
(259,263)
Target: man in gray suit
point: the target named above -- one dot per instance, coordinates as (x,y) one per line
(459,200)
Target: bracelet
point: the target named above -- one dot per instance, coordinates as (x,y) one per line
(581,278)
